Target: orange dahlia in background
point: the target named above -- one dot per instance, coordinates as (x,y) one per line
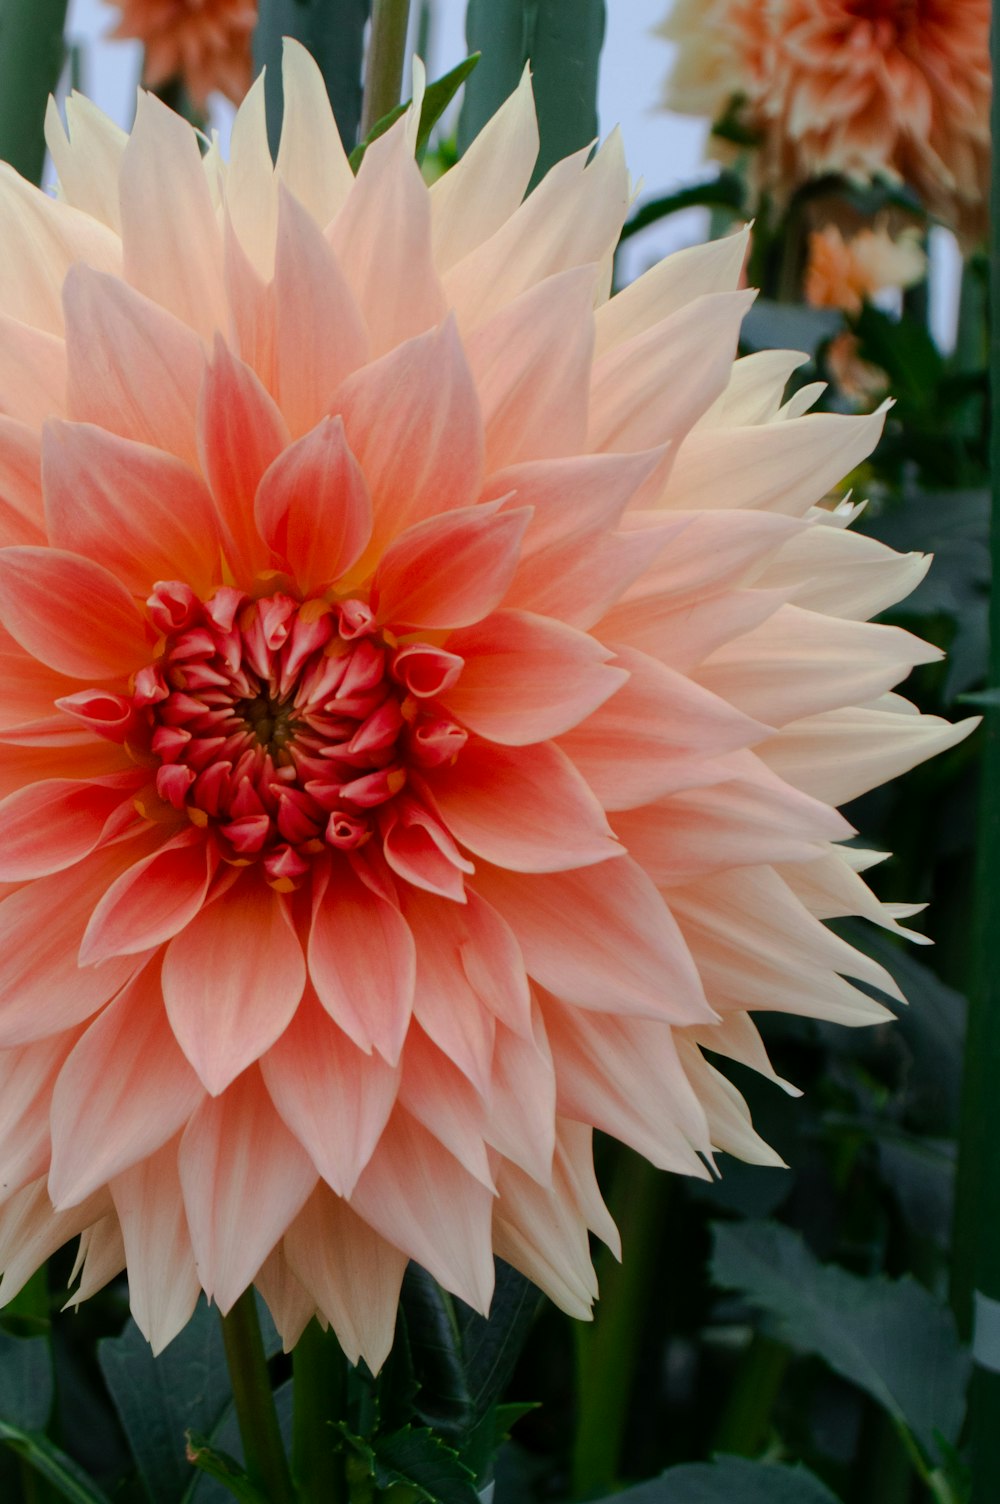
(845,272)
(426,688)
(897,89)
(205,43)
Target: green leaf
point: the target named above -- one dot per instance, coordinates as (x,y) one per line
(333,31)
(892,1338)
(32,51)
(424,1463)
(26,1381)
(435,1337)
(729,1480)
(159,1399)
(224,1469)
(225,1440)
(437,98)
(726,191)
(563,40)
(54,1466)
(492,1344)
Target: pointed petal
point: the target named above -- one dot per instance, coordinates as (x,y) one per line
(623,1075)
(151,901)
(471,201)
(449,571)
(311,162)
(87,160)
(32,372)
(527,678)
(42,239)
(170,235)
(741,822)
(531,363)
(524,808)
(134,368)
(240,433)
(840,754)
(232,979)
(799,663)
(522,1105)
(645,741)
(70,613)
(55,822)
(124,1091)
(413,420)
(652,388)
(602,938)
(572,218)
(27,1075)
(541,1232)
(778,467)
(319,334)
(41,926)
(313,508)
(352,1274)
(447,1002)
(418,1197)
(435,1092)
(289,1302)
(139,512)
(244,1178)
(334,1098)
(361,962)
(31,1232)
(163,1283)
(393,276)
(670,285)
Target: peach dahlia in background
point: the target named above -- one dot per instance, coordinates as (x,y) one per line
(204,43)
(895,89)
(427,685)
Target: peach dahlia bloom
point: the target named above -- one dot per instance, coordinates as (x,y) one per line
(205,43)
(426,688)
(845,272)
(867,88)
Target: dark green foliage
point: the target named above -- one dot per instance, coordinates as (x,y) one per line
(891,1338)
(730,1480)
(333,31)
(32,53)
(562,40)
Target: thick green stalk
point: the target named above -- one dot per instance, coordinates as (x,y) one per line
(562,40)
(263,1449)
(333,31)
(319,1375)
(32,52)
(746,1417)
(976,1263)
(384,65)
(606,1350)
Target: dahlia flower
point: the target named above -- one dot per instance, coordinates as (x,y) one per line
(427,685)
(205,43)
(897,89)
(844,273)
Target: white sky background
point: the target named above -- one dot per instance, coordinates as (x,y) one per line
(664,150)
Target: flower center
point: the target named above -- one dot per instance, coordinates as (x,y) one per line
(286,726)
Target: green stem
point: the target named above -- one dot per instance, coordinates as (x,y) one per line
(263,1449)
(744,1423)
(384,67)
(606,1350)
(31,58)
(318,1385)
(976,1258)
